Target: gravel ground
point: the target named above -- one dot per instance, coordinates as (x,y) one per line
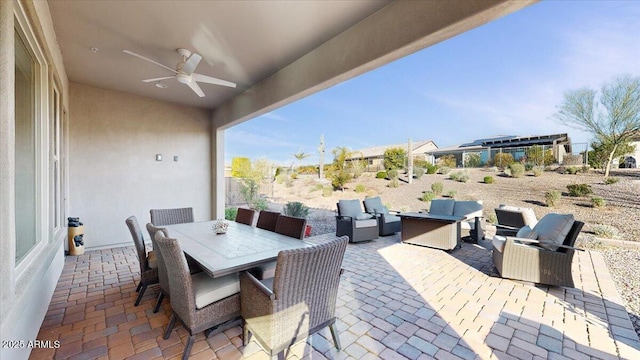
(622,209)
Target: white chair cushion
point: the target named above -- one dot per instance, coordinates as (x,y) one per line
(265,271)
(208,290)
(553,228)
(527,232)
(152,259)
(527,213)
(468,207)
(349,208)
(391,218)
(372,204)
(442,206)
(498,242)
(366,223)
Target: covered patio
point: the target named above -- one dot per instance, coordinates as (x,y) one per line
(396,301)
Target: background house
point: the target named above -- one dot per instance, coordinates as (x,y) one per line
(559,146)
(374,156)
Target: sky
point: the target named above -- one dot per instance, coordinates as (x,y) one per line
(504,78)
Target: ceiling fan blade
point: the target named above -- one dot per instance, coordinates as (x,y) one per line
(196,89)
(158,79)
(191,64)
(212,80)
(147,59)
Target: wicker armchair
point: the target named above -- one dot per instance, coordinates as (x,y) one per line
(199,301)
(511,219)
(161,217)
(300,301)
(148,262)
(267,220)
(245,216)
(521,259)
(388,223)
(291,226)
(351,221)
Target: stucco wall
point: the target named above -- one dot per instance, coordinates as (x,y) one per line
(113,172)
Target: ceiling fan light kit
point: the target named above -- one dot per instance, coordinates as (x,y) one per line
(184,72)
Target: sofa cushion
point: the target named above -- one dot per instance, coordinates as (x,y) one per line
(553,228)
(527,232)
(498,243)
(363,216)
(527,213)
(467,207)
(152,259)
(359,224)
(442,206)
(372,203)
(208,290)
(391,218)
(349,208)
(381,210)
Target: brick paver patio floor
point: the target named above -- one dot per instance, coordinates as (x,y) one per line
(396,301)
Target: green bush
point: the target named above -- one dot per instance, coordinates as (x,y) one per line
(427,196)
(394,158)
(606,231)
(597,201)
(327,191)
(316,187)
(260,204)
(552,198)
(418,172)
(437,188)
(444,170)
(452,193)
(529,166)
(230,213)
(573,170)
(492,218)
(454,176)
(579,189)
(537,172)
(339,178)
(295,209)
(392,174)
(294,175)
(464,177)
(611,180)
(448,161)
(360,188)
(472,160)
(432,169)
(488,179)
(381,175)
(240,166)
(517,170)
(503,160)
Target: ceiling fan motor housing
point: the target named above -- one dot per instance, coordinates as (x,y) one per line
(183,78)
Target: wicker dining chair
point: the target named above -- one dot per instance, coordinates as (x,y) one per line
(291,226)
(267,220)
(199,301)
(161,217)
(162,269)
(300,301)
(245,216)
(148,262)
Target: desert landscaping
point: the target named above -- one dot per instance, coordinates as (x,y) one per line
(621,209)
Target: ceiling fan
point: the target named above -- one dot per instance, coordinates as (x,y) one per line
(184,71)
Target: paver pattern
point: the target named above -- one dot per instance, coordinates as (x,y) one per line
(396,301)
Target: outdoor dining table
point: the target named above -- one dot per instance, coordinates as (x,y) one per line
(242,247)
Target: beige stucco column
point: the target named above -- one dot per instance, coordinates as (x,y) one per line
(7,157)
(217,172)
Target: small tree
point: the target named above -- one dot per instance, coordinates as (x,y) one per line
(448,161)
(613,120)
(472,160)
(301,156)
(240,166)
(394,158)
(600,154)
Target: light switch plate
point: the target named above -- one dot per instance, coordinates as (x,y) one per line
(176,158)
(158,157)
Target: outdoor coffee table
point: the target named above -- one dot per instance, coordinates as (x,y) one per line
(437,231)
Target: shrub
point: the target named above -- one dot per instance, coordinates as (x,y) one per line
(230,213)
(452,193)
(464,177)
(240,166)
(394,183)
(437,188)
(488,179)
(492,218)
(472,160)
(294,175)
(606,231)
(281,178)
(517,170)
(454,176)
(529,166)
(597,201)
(552,197)
(288,182)
(573,170)
(381,175)
(579,189)
(427,196)
(503,159)
(295,209)
(418,172)
(339,178)
(611,180)
(537,172)
(394,158)
(392,174)
(327,191)
(431,169)
(448,161)
(260,205)
(316,187)
(444,170)
(360,188)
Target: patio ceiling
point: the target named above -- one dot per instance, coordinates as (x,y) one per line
(300,47)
